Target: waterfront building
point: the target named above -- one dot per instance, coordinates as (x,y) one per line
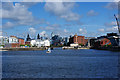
(114,38)
(66,40)
(28,43)
(14,42)
(40,43)
(102,41)
(13,39)
(92,42)
(105,42)
(57,40)
(78,40)
(21,41)
(89,41)
(73,45)
(4,40)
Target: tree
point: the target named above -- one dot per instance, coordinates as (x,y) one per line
(38,36)
(28,38)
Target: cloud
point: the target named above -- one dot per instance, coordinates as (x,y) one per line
(32,30)
(28,4)
(51,27)
(82,31)
(92,13)
(62,10)
(116,0)
(65,31)
(43,33)
(17,15)
(109,29)
(112,5)
(101,30)
(9,24)
(113,23)
(112,29)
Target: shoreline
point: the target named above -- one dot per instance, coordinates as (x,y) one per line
(23,49)
(108,48)
(64,48)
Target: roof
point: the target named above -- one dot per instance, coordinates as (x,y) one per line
(20,38)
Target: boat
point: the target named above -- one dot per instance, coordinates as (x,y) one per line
(49,50)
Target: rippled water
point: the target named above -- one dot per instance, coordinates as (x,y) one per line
(60,64)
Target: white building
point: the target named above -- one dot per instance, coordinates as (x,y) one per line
(3,40)
(13,39)
(40,43)
(73,45)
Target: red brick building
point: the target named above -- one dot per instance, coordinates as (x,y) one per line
(14,45)
(21,41)
(27,43)
(78,40)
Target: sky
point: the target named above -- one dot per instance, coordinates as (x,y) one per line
(89,19)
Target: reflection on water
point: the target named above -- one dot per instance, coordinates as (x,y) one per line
(60,64)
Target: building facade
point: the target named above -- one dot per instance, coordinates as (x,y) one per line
(21,41)
(13,39)
(104,42)
(57,40)
(4,40)
(114,38)
(40,43)
(78,40)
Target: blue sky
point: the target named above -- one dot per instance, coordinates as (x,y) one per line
(63,18)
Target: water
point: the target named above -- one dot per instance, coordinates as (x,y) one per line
(60,64)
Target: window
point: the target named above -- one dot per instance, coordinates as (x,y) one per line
(101,42)
(81,40)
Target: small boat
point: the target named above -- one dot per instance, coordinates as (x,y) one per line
(49,50)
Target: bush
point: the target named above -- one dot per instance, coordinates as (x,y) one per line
(2,45)
(22,45)
(81,44)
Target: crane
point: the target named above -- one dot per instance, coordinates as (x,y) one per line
(118,30)
(117,23)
